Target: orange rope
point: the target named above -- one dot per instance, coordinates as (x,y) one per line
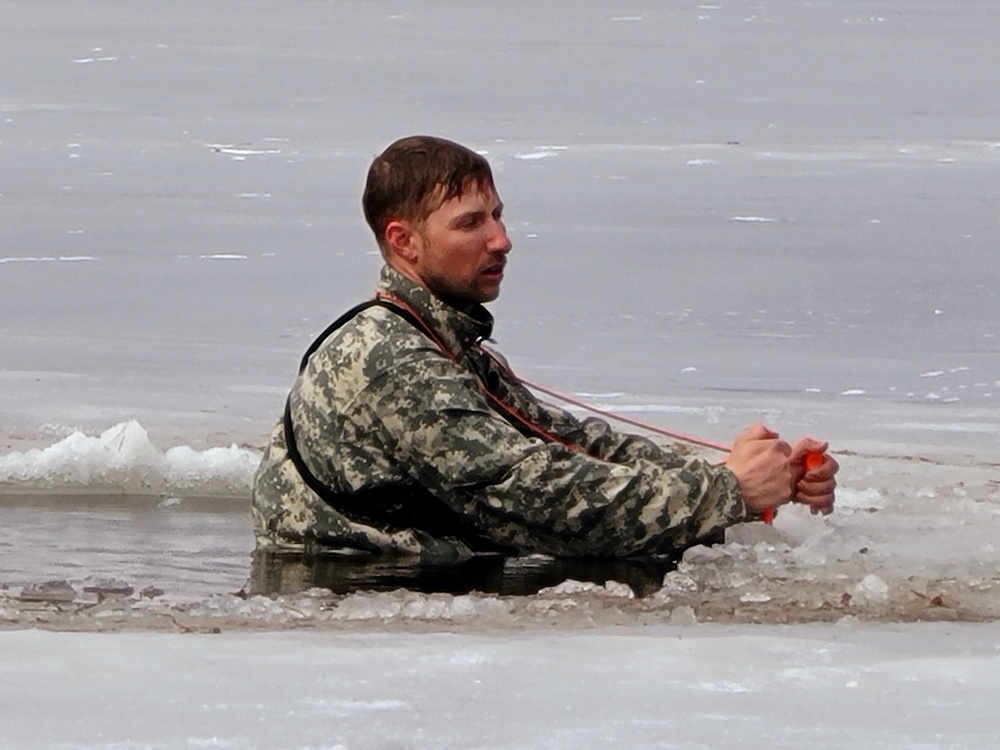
(813,459)
(628,420)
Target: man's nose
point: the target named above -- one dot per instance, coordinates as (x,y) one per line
(499,240)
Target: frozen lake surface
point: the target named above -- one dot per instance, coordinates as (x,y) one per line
(721,213)
(854,686)
(786,211)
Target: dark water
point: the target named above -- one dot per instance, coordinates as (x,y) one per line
(197,547)
(289,574)
(202,546)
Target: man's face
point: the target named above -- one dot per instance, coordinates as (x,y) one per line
(461,248)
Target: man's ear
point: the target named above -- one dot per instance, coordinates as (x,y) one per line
(400,240)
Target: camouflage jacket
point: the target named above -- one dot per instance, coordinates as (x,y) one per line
(428,463)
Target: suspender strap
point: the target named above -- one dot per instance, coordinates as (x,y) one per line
(349,315)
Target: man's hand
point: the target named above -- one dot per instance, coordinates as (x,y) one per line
(761,463)
(814,486)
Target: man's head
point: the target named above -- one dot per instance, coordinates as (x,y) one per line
(436,216)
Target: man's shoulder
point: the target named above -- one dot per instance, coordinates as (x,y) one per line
(376,338)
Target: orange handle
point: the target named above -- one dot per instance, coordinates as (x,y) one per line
(812,460)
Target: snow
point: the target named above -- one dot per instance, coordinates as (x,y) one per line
(689,687)
(123,457)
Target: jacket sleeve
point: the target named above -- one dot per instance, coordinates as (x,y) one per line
(430,415)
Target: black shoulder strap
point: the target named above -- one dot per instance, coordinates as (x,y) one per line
(349,315)
(291,445)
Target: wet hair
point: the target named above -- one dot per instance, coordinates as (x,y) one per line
(415,175)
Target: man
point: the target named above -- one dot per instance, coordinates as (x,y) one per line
(404,435)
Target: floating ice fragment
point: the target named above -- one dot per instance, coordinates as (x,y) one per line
(426,609)
(690,369)
(104,587)
(860,499)
(677,584)
(721,687)
(223,256)
(248,151)
(683,615)
(753,219)
(571,587)
(535,155)
(208,742)
(853,392)
(701,162)
(932,373)
(124,456)
(49,591)
(871,590)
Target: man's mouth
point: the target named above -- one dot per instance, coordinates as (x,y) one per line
(494,270)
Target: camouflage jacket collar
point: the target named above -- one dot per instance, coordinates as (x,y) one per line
(458,330)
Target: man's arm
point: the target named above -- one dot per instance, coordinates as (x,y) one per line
(432,419)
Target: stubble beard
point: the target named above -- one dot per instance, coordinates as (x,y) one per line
(461,297)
